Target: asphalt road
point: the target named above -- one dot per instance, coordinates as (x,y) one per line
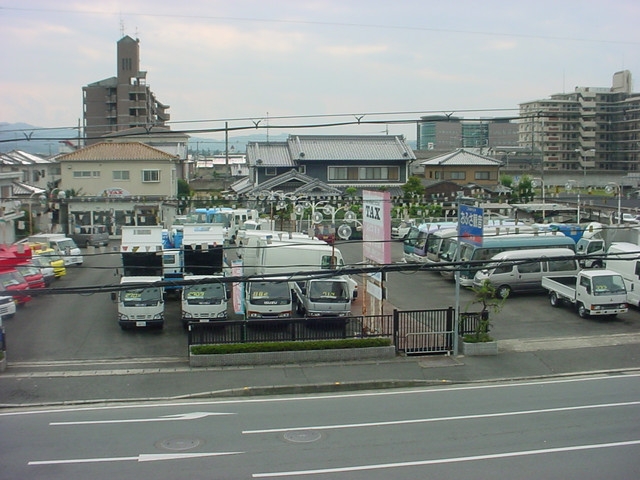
(580,428)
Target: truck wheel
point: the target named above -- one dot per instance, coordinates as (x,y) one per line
(582,311)
(554,299)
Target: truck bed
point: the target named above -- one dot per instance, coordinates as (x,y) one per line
(563,286)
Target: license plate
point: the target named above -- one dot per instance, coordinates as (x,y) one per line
(141,324)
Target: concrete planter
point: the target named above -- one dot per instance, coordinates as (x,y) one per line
(479,348)
(307,356)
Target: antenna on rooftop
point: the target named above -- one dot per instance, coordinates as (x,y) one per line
(121,27)
(267,127)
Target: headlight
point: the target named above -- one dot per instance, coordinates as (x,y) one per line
(186,315)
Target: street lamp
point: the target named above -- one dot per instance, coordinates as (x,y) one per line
(570,185)
(614,187)
(540,182)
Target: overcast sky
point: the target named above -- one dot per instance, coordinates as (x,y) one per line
(244,61)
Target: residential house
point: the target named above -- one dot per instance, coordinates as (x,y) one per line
(119,184)
(35,170)
(463,167)
(12,209)
(326,166)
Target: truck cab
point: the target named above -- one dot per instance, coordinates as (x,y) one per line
(323,297)
(141,304)
(270,299)
(62,245)
(203,301)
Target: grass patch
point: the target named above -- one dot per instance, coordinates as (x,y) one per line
(219,349)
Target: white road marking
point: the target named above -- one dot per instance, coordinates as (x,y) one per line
(167,418)
(443,419)
(427,390)
(144,457)
(438,461)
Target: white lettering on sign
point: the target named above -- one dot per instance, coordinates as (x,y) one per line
(471,219)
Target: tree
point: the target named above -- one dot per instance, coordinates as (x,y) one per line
(525,189)
(487,296)
(183,188)
(412,187)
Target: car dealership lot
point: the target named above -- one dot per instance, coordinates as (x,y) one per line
(72,327)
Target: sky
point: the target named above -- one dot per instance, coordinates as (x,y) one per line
(292,64)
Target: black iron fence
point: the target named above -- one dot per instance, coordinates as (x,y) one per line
(412,332)
(294,329)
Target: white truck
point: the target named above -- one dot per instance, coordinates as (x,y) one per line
(142,304)
(64,246)
(592,292)
(141,251)
(290,257)
(204,300)
(326,297)
(624,258)
(269,299)
(596,239)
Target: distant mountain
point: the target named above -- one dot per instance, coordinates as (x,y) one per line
(32,139)
(237,144)
(46,141)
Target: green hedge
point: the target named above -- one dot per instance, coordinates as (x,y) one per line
(289,346)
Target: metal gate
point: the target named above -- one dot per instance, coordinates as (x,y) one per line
(419,332)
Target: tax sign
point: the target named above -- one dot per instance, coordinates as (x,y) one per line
(470,224)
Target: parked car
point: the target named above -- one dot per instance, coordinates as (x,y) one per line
(45,268)
(90,235)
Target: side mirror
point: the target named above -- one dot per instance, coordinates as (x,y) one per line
(113,296)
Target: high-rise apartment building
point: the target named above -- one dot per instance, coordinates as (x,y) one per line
(121,102)
(592,128)
(444,133)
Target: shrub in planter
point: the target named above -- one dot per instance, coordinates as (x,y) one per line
(487,296)
(219,349)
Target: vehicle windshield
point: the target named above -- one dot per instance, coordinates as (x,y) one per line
(140,297)
(27,270)
(204,294)
(270,293)
(68,243)
(328,291)
(608,285)
(10,279)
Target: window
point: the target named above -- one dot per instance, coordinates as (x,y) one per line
(270,171)
(363,173)
(483,175)
(562,265)
(530,267)
(121,174)
(150,176)
(302,169)
(458,175)
(86,174)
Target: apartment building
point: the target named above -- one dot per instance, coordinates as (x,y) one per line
(589,129)
(444,133)
(124,101)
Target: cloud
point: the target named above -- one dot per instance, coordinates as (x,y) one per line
(353,50)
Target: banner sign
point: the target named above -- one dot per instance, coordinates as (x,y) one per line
(237,269)
(470,224)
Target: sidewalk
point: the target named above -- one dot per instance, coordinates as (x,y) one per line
(171,378)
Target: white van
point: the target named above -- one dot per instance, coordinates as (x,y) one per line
(522,270)
(624,258)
